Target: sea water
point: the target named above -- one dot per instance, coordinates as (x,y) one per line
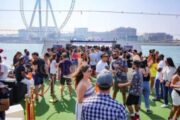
(168,51)
(10,49)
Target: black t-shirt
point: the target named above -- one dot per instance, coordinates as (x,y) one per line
(4,94)
(18,74)
(65,67)
(41,72)
(58,56)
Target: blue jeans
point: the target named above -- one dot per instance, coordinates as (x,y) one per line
(158,85)
(146,93)
(166,90)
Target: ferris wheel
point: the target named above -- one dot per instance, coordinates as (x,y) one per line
(49,9)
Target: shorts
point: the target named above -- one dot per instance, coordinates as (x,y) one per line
(52,75)
(38,80)
(132,100)
(116,88)
(65,79)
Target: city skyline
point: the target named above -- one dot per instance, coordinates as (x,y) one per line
(101,22)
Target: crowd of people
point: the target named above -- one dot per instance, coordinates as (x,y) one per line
(136,76)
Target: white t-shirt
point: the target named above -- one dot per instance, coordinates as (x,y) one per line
(53,67)
(93,58)
(168,72)
(4,70)
(101,66)
(161,64)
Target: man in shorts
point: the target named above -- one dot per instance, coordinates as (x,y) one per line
(135,91)
(39,73)
(120,69)
(65,68)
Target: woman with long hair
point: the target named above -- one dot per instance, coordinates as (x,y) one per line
(152,66)
(168,72)
(146,87)
(83,86)
(175,84)
(53,71)
(83,60)
(16,58)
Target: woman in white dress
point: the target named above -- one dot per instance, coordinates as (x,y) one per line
(83,87)
(53,71)
(168,73)
(175,84)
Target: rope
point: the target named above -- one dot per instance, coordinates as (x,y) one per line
(101,11)
(45,90)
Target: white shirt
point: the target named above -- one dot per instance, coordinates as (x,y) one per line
(4,70)
(161,64)
(53,67)
(93,58)
(168,72)
(101,66)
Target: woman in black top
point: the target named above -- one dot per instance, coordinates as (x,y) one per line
(146,88)
(16,58)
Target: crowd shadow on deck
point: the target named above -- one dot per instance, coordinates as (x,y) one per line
(153,116)
(41,107)
(65,105)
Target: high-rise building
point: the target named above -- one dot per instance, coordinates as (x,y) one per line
(157,37)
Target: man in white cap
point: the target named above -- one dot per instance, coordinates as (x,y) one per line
(102,106)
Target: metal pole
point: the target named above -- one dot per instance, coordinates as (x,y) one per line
(52,13)
(46,19)
(32,18)
(40,21)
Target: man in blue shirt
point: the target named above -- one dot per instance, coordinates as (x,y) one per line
(65,69)
(120,69)
(102,106)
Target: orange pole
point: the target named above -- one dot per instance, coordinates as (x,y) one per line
(27,108)
(32,114)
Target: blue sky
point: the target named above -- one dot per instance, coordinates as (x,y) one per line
(102,21)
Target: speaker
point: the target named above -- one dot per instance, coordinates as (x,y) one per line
(68,46)
(117,46)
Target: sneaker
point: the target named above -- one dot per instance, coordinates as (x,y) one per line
(133,118)
(137,117)
(149,111)
(164,106)
(53,99)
